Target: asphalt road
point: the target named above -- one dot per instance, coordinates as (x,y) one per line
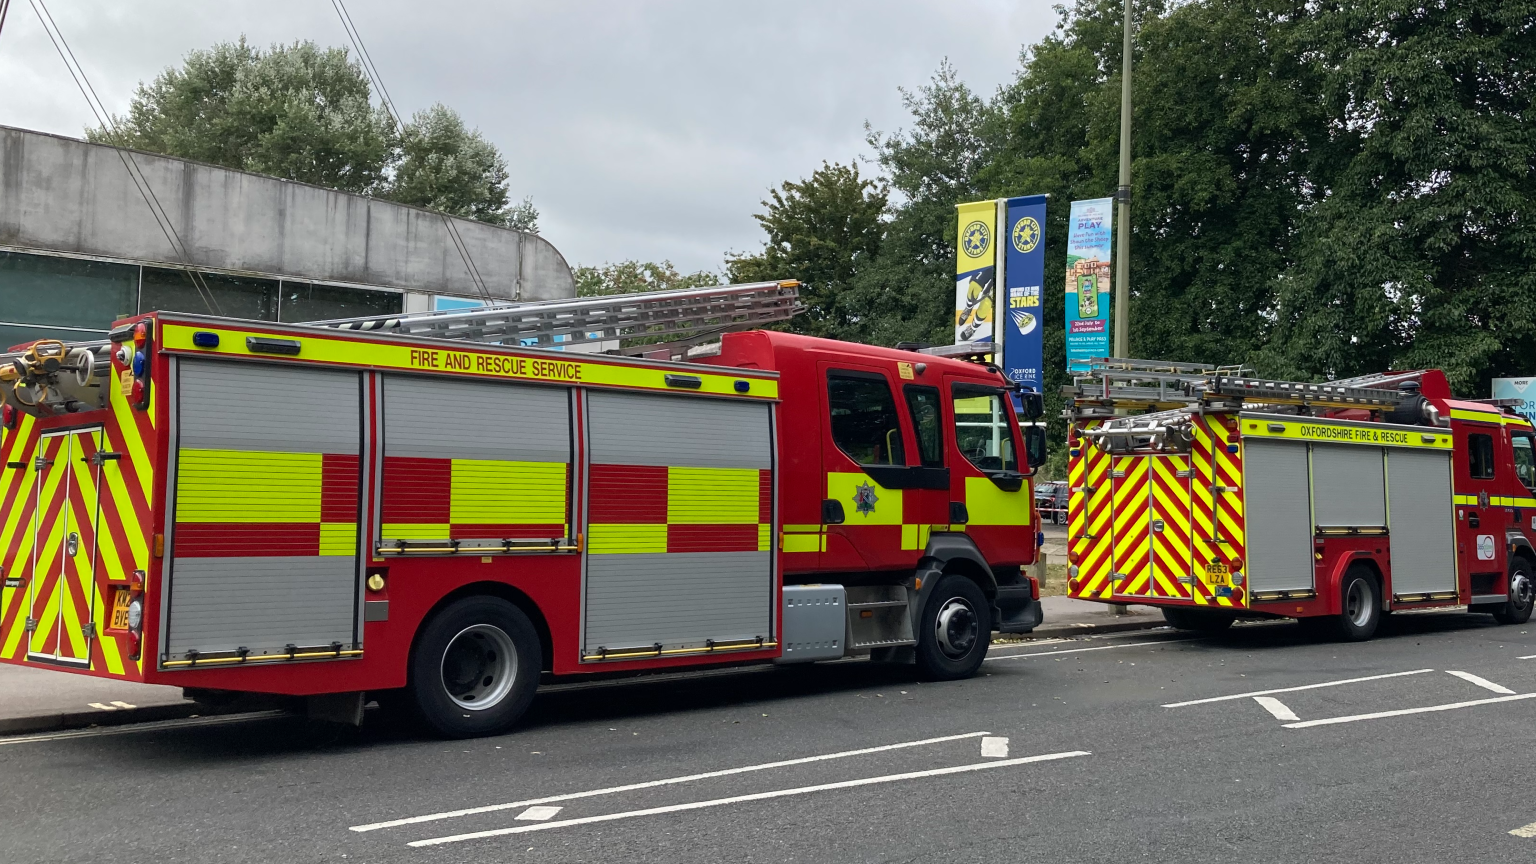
(1126,778)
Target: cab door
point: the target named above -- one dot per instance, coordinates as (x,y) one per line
(1479,518)
(987,479)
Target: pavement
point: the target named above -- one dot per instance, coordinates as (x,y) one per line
(1255,745)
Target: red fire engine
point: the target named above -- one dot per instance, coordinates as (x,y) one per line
(381,505)
(1217,495)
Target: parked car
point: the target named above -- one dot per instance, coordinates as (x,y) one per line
(1051,501)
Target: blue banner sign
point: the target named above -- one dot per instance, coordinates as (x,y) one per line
(1024,275)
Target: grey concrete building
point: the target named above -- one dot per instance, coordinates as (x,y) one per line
(81,246)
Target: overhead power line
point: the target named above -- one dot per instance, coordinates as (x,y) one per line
(372,71)
(130,164)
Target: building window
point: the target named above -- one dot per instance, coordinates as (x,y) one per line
(305,302)
(47,297)
(231,296)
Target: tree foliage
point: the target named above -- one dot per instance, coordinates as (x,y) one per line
(305,113)
(631,277)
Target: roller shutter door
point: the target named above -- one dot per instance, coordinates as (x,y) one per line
(680,516)
(264,544)
(1348,486)
(1423,521)
(1278,516)
(479,463)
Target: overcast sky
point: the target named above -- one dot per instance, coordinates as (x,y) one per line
(645,129)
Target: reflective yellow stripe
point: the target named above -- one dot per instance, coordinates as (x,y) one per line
(1342,433)
(414,531)
(618,539)
(712,496)
(764,537)
(1475,416)
(802,542)
(471,362)
(247,486)
(803,529)
(338,538)
(988,505)
(844,487)
(487,492)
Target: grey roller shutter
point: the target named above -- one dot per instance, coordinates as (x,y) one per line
(1423,521)
(642,429)
(1348,486)
(263,545)
(445,419)
(1277,516)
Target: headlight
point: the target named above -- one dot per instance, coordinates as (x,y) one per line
(136,615)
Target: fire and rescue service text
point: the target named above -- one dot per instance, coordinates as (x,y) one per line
(491,364)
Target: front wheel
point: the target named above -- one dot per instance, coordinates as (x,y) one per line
(1361,609)
(1522,593)
(954,630)
(475,668)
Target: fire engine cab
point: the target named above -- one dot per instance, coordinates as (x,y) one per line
(1217,495)
(435,507)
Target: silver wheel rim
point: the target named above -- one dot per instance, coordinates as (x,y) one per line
(1357,604)
(956,628)
(1520,590)
(478,667)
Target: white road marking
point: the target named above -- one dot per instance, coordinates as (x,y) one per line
(651,784)
(994,748)
(1307,724)
(1525,830)
(1527,657)
(538,814)
(1079,650)
(1481,682)
(123,704)
(99,706)
(128,728)
(1276,707)
(1293,689)
(740,799)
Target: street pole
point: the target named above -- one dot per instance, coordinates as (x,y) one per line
(1122,313)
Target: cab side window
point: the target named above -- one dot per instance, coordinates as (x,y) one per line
(928,422)
(1480,456)
(982,430)
(865,424)
(1525,457)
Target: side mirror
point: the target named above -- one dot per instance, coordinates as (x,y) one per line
(1031,404)
(1034,446)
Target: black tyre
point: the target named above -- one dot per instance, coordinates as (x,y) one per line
(1522,594)
(1198,620)
(1361,606)
(475,668)
(954,630)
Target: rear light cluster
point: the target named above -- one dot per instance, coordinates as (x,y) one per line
(131,362)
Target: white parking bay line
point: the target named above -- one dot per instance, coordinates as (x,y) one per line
(1525,830)
(741,799)
(1080,650)
(1293,689)
(1307,724)
(1481,682)
(1276,707)
(651,784)
(129,728)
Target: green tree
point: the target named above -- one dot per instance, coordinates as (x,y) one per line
(448,167)
(821,231)
(298,112)
(631,277)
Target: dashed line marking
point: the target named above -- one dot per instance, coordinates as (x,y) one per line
(1525,830)
(994,748)
(129,728)
(1080,650)
(741,799)
(1481,682)
(1276,707)
(1293,689)
(538,814)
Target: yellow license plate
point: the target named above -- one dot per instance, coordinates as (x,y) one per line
(120,610)
(1217,575)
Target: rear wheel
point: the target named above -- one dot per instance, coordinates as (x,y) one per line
(475,668)
(1361,606)
(954,630)
(1198,620)
(1522,593)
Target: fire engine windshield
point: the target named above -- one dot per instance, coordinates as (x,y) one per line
(982,429)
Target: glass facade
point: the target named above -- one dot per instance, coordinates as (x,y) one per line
(73,299)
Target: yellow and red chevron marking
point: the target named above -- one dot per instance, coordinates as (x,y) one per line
(1171,546)
(1202,510)
(1217,498)
(1132,543)
(117,535)
(1228,473)
(1088,519)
